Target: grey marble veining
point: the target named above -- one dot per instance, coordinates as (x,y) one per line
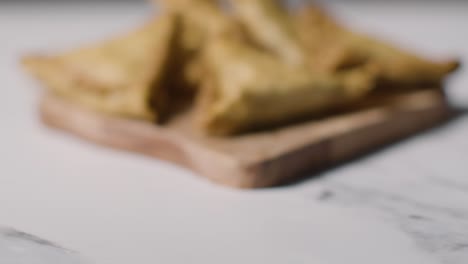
(17,247)
(427,202)
(438,230)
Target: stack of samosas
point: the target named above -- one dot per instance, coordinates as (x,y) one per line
(241,66)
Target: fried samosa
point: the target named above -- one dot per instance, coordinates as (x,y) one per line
(271,26)
(124,76)
(334,47)
(249,88)
(200,20)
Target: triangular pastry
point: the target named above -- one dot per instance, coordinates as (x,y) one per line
(248,88)
(333,47)
(124,76)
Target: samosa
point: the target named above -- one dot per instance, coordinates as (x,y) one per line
(249,88)
(124,76)
(270,25)
(246,84)
(200,20)
(333,47)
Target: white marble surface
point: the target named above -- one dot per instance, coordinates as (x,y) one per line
(406,204)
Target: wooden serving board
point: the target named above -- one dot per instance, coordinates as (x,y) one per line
(259,159)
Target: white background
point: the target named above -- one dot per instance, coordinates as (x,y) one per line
(119,208)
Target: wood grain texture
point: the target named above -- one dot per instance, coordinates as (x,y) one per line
(260,159)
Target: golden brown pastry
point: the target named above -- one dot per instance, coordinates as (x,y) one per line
(257,67)
(249,88)
(122,76)
(200,20)
(271,26)
(333,47)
